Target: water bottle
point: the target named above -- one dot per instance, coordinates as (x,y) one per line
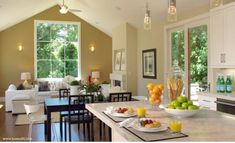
(222,84)
(218,84)
(228,84)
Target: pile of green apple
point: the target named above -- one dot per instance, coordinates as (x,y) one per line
(182,103)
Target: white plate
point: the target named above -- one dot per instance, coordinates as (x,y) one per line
(125,115)
(138,127)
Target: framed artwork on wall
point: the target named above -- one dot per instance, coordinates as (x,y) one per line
(149,63)
(117,62)
(123,61)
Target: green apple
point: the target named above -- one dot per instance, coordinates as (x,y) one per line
(176,103)
(185,105)
(185,99)
(190,102)
(180,99)
(180,108)
(192,107)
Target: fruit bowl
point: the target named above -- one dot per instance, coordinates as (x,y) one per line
(181,113)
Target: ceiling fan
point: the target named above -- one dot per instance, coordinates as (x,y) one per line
(64,9)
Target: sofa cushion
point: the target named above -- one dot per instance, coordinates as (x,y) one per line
(43,86)
(11,87)
(20,87)
(22,97)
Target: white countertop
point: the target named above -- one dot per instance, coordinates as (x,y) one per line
(228,96)
(206,125)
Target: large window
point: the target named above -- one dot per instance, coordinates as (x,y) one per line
(57,49)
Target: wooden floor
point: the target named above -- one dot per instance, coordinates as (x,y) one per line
(10,132)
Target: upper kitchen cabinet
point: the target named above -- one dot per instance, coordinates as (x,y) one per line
(222,37)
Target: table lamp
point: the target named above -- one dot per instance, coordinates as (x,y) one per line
(95,75)
(26,76)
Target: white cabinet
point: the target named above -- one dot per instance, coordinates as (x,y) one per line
(222,37)
(206,102)
(216,37)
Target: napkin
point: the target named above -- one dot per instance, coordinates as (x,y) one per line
(128,122)
(109,110)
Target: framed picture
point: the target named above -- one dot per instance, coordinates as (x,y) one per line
(117,64)
(123,61)
(149,63)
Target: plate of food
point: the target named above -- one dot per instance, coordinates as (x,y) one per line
(149,125)
(123,112)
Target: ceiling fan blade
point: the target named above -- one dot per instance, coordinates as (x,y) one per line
(75,10)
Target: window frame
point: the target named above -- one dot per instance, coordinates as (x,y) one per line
(35,47)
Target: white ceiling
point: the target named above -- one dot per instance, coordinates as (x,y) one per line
(103,14)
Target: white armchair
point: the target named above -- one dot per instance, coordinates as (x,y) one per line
(11,93)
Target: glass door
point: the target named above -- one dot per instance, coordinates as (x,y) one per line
(198,58)
(189,46)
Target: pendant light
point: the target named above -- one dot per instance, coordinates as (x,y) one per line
(147,19)
(215,3)
(63,8)
(172,11)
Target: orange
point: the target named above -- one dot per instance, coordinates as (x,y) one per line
(156,89)
(158,101)
(160,86)
(153,97)
(151,100)
(150,86)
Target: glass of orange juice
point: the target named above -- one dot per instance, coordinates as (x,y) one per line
(175,126)
(141,111)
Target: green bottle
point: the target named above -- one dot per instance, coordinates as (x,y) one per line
(228,84)
(218,84)
(222,84)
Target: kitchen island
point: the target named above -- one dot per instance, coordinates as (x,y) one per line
(206,125)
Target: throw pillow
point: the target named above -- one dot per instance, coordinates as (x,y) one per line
(20,87)
(43,86)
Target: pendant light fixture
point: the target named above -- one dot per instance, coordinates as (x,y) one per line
(147,18)
(215,3)
(172,11)
(63,8)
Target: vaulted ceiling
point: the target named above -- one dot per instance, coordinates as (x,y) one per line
(103,14)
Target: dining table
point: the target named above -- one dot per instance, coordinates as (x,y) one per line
(53,105)
(56,105)
(206,125)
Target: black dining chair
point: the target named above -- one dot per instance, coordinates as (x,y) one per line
(115,97)
(78,114)
(63,93)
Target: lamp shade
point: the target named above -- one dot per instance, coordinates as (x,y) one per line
(25,76)
(95,74)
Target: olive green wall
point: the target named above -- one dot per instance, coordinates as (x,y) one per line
(13,62)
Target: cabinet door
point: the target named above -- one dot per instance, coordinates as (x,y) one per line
(216,38)
(229,36)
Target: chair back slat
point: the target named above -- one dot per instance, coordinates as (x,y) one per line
(120,97)
(77,105)
(64,92)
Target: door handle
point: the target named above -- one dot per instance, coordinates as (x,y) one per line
(224,103)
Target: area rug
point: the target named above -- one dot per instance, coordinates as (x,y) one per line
(22,119)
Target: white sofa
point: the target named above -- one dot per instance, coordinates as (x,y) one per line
(10,94)
(33,95)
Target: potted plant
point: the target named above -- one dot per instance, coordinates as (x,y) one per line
(74,87)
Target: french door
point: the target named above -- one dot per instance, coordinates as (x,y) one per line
(188,45)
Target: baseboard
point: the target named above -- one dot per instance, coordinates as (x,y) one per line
(2,99)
